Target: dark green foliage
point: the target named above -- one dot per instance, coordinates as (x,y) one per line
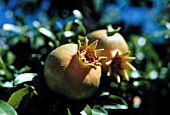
(24,48)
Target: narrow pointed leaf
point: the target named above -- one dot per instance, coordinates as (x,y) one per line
(4,67)
(117,103)
(18,96)
(111,102)
(6,109)
(47,33)
(68,26)
(68,112)
(87,111)
(11,27)
(24,78)
(98,110)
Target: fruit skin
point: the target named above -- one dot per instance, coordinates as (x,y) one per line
(64,74)
(116,50)
(110,44)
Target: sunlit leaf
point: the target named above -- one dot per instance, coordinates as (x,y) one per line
(6,109)
(69,34)
(81,26)
(53,20)
(81,38)
(4,67)
(2,73)
(3,49)
(51,44)
(39,41)
(117,106)
(19,96)
(6,84)
(24,78)
(86,110)
(23,39)
(111,102)
(47,33)
(78,14)
(68,112)
(111,30)
(38,56)
(116,103)
(10,57)
(12,39)
(24,69)
(69,25)
(98,110)
(13,68)
(11,27)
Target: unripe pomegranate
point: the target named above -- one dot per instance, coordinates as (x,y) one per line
(115,49)
(74,70)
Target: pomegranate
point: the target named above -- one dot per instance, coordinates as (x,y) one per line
(115,49)
(74,70)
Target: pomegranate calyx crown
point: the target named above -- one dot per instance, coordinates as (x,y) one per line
(119,65)
(88,55)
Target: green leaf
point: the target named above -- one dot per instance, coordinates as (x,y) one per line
(13,68)
(39,41)
(79,23)
(117,103)
(98,110)
(111,102)
(47,33)
(10,57)
(3,65)
(24,69)
(11,27)
(68,34)
(86,111)
(21,95)
(81,26)
(3,49)
(68,112)
(6,109)
(24,78)
(6,84)
(78,14)
(68,26)
(12,39)
(81,38)
(111,31)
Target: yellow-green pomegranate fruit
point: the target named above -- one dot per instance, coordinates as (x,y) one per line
(110,44)
(116,50)
(74,70)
